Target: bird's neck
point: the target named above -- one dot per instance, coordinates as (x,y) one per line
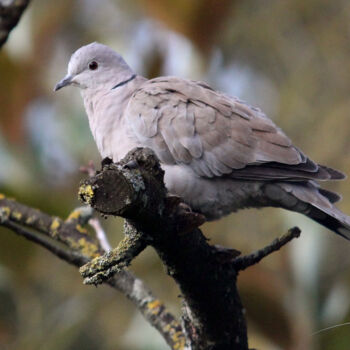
(106,108)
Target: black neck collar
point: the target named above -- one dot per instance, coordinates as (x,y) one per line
(124,82)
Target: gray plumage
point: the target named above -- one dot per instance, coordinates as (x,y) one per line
(219,154)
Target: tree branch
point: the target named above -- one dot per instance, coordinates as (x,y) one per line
(213,314)
(69,241)
(101,268)
(100,234)
(242,262)
(10,13)
(69,256)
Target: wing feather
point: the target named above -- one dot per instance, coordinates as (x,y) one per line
(187,122)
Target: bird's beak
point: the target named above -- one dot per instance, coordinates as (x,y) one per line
(67,80)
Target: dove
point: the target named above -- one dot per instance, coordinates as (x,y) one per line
(218,153)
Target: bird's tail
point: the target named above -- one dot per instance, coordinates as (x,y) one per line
(318,204)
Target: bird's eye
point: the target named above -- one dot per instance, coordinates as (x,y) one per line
(93,65)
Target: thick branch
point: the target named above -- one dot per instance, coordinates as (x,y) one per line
(207,280)
(10,13)
(70,242)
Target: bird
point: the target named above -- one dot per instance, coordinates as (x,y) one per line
(218,153)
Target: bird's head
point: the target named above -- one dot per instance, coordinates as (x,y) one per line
(93,66)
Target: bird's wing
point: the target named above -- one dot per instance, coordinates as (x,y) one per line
(187,122)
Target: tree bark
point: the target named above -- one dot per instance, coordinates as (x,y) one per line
(206,275)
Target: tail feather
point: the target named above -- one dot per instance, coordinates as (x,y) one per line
(334,220)
(320,206)
(331,196)
(335,174)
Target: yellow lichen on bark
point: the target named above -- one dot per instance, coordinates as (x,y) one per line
(85,247)
(86,193)
(179,341)
(154,306)
(16,215)
(177,337)
(74,215)
(4,213)
(55,226)
(29,220)
(81,229)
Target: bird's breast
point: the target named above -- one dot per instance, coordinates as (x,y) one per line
(112,134)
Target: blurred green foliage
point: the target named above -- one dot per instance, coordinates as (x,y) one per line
(291,58)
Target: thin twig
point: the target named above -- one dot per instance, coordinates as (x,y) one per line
(331,327)
(100,234)
(66,254)
(242,262)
